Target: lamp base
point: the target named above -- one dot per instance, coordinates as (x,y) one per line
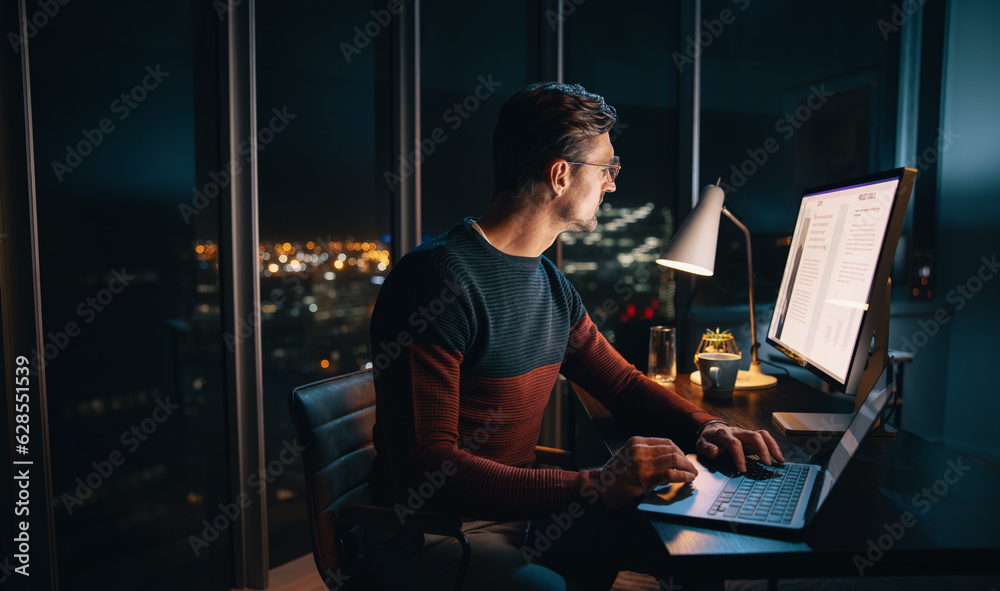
(752,379)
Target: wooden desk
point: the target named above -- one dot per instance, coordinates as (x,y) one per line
(955,530)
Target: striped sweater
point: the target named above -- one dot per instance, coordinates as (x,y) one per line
(467,344)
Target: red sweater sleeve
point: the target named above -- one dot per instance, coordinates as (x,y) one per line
(647,406)
(417,424)
(418,414)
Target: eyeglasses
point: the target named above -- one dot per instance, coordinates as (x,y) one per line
(613,169)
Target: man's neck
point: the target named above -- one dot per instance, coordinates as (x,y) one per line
(518,230)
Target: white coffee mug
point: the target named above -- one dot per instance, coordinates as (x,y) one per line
(718,373)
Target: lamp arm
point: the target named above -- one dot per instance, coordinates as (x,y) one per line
(753,318)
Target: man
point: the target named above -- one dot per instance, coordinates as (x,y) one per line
(480,324)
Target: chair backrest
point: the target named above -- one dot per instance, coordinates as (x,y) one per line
(334,419)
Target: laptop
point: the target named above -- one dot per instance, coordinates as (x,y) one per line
(783,497)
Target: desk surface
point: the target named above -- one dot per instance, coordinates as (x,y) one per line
(953,501)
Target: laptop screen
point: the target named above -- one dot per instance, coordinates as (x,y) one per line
(856,431)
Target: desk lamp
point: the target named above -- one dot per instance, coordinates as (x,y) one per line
(692,249)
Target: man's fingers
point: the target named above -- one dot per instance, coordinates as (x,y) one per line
(653,451)
(653,471)
(734,441)
(706,449)
(642,465)
(637,440)
(650,442)
(772,446)
(677,476)
(648,454)
(735,448)
(661,447)
(674,461)
(666,469)
(755,441)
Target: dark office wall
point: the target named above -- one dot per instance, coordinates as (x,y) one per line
(816,83)
(969,227)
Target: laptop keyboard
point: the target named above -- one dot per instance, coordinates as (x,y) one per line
(765,494)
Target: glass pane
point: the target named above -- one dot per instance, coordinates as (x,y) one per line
(625,54)
(324,233)
(130,301)
(467,72)
(793,95)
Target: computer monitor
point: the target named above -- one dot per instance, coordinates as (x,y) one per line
(832,310)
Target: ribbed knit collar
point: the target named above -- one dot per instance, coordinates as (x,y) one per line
(522,263)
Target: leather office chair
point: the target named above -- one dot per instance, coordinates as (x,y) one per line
(333,419)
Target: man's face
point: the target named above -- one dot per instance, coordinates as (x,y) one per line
(588,184)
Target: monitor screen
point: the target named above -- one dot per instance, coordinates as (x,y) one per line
(838,265)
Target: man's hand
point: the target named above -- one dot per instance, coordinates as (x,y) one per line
(717,437)
(643,464)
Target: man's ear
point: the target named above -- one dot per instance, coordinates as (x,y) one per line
(557,176)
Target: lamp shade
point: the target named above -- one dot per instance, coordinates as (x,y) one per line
(692,248)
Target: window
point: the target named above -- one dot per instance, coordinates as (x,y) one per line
(130,301)
(324,234)
(623,52)
(794,95)
(467,72)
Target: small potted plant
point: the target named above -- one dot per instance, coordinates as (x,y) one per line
(717,341)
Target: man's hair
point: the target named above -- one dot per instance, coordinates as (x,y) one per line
(541,122)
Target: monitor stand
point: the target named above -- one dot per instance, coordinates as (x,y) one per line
(817,423)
